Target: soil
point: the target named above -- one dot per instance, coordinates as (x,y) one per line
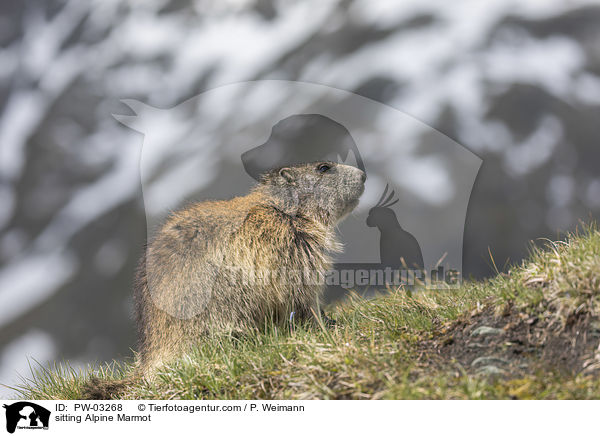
(513,344)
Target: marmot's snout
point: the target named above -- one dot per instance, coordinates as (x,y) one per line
(352,187)
(357,180)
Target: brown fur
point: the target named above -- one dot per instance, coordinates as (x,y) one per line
(196,277)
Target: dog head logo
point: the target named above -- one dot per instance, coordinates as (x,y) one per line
(26,415)
(300,139)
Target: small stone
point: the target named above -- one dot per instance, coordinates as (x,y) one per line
(486,331)
(490,370)
(489,361)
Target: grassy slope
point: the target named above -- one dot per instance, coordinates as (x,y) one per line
(388,347)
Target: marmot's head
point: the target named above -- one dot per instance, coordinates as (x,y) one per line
(327,191)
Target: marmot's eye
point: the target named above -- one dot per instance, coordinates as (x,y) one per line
(323,168)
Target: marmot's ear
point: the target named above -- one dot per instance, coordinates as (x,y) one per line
(287,174)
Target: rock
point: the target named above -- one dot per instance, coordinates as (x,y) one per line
(489,361)
(486,331)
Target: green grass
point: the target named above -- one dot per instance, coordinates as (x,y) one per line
(380,348)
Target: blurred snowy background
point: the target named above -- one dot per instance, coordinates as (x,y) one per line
(516,82)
